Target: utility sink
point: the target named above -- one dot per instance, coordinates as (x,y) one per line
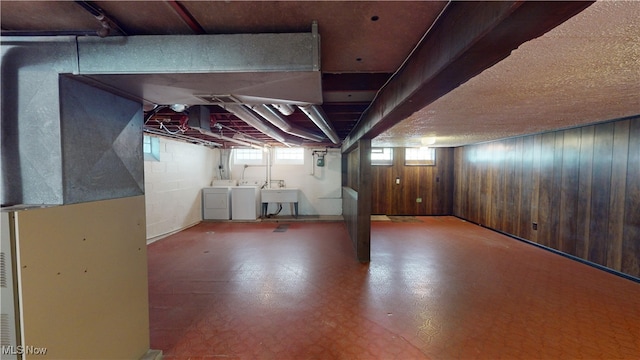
(280,195)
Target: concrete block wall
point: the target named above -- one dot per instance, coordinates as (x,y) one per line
(173,186)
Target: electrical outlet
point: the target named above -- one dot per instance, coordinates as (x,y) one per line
(418,200)
(534,226)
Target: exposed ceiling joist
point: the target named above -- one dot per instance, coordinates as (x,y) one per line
(450,54)
(581,72)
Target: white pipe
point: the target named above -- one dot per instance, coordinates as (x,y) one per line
(247,116)
(316,115)
(285,109)
(268,168)
(226,138)
(179,137)
(313,164)
(273,117)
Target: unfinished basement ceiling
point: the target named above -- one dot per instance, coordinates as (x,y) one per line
(586,70)
(583,71)
(362,43)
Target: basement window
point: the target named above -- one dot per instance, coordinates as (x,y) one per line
(151,148)
(289,156)
(248,157)
(381,156)
(420,156)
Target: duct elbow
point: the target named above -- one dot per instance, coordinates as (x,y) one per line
(316,115)
(269,114)
(285,109)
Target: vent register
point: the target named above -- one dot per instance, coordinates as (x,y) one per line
(221,100)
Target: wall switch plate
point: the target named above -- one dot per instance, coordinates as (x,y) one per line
(534,226)
(418,200)
(397,181)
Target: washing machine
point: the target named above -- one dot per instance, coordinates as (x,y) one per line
(245,201)
(216,200)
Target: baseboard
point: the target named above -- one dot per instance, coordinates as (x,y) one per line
(160,237)
(558,252)
(152,355)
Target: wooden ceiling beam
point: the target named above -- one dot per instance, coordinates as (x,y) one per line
(466,39)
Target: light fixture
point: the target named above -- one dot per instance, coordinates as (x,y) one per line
(179,107)
(429,140)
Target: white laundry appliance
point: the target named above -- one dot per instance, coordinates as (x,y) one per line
(245,200)
(216,200)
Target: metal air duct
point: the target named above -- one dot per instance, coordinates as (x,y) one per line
(285,109)
(274,118)
(316,115)
(181,137)
(246,115)
(226,138)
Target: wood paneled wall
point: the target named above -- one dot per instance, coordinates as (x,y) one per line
(351,178)
(356,197)
(433,184)
(580,187)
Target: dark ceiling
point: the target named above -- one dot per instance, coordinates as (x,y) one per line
(368,49)
(362,42)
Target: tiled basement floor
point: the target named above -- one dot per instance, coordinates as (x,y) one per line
(441,288)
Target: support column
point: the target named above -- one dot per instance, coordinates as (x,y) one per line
(356,197)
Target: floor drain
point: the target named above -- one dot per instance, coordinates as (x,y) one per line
(282,228)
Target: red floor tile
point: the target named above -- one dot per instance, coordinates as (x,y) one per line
(441,289)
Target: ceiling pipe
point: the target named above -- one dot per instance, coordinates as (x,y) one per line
(246,115)
(107,24)
(274,118)
(316,115)
(181,137)
(243,137)
(226,138)
(285,109)
(186,16)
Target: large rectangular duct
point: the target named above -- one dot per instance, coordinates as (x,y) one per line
(31,142)
(64,141)
(200,118)
(186,69)
(101,144)
(201,54)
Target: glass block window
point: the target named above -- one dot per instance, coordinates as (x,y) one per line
(151,148)
(420,156)
(248,157)
(381,156)
(289,156)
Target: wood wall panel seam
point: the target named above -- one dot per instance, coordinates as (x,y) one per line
(580,186)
